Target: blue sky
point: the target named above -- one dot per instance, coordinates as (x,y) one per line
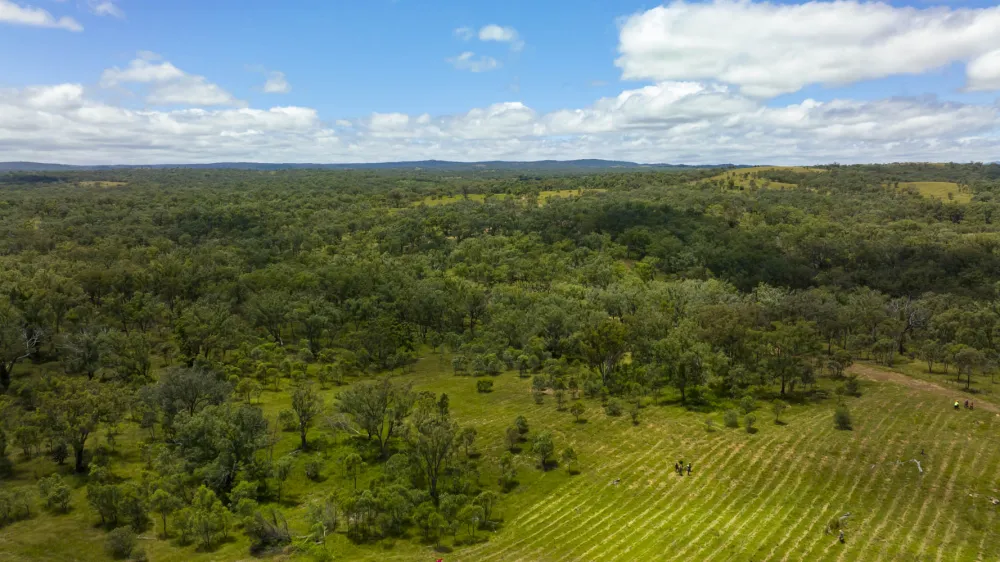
(360,80)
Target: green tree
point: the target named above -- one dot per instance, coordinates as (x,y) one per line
(432,441)
(18,341)
(604,346)
(569,458)
(542,447)
(378,407)
(307,405)
(163,503)
(353,465)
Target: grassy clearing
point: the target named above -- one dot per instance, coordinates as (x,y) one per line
(762,496)
(943,190)
(744,177)
(543,196)
(101,183)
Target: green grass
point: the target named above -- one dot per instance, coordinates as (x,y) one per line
(543,196)
(765,496)
(742,176)
(943,190)
(101,183)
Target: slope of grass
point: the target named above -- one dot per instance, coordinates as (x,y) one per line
(943,190)
(543,196)
(742,177)
(762,496)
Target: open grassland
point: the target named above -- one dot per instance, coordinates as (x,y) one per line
(543,196)
(943,190)
(101,183)
(746,177)
(762,496)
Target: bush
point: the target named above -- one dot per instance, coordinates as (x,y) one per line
(521,423)
(484,386)
(55,493)
(750,420)
(851,387)
(709,425)
(614,407)
(748,404)
(120,542)
(313,469)
(267,531)
(842,418)
(287,420)
(778,407)
(731,418)
(539,396)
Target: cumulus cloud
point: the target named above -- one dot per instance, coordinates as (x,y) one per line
(106,8)
(277,84)
(167,84)
(769,49)
(18,14)
(469,61)
(669,121)
(984,72)
(494,32)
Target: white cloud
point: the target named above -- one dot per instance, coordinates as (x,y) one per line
(494,32)
(465,33)
(468,61)
(167,84)
(769,49)
(984,72)
(142,70)
(18,14)
(106,8)
(670,121)
(277,84)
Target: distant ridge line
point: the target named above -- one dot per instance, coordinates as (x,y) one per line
(407,165)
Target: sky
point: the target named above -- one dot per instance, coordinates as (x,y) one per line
(185,81)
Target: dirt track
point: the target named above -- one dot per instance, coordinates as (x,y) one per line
(874,373)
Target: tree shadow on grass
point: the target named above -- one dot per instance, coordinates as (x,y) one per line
(581,421)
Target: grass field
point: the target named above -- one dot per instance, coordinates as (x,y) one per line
(943,190)
(742,176)
(543,196)
(762,496)
(101,183)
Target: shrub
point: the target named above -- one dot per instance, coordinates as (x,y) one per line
(634,413)
(55,493)
(577,409)
(120,542)
(267,531)
(709,425)
(313,469)
(852,387)
(842,418)
(614,407)
(748,404)
(778,407)
(521,423)
(731,418)
(484,386)
(287,420)
(750,420)
(539,396)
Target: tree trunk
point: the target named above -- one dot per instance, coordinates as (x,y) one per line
(78,455)
(302,434)
(4,376)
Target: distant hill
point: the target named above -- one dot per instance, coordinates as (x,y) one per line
(418,165)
